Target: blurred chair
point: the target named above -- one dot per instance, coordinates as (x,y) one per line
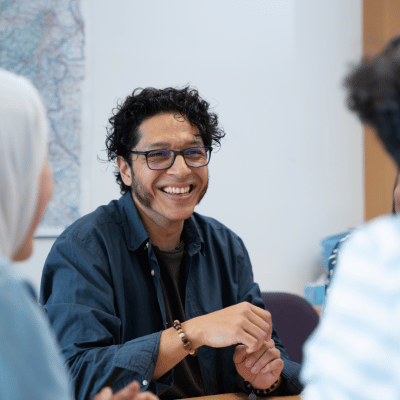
(293,318)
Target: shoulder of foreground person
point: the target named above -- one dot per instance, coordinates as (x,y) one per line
(30,361)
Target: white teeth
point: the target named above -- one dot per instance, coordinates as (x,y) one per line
(175,190)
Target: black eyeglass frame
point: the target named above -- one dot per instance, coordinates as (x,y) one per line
(176,153)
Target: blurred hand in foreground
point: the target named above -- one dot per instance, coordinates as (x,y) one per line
(129,392)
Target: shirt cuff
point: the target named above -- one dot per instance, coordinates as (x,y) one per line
(139,355)
(290,384)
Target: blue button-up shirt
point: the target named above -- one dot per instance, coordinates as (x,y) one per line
(101,291)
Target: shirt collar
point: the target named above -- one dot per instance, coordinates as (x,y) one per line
(135,232)
(193,238)
(137,235)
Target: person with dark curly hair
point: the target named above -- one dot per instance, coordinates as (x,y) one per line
(355,351)
(145,288)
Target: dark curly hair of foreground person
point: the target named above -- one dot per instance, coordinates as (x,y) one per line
(374,94)
(123,131)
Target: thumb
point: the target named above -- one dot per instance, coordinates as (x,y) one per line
(128,392)
(240,354)
(104,394)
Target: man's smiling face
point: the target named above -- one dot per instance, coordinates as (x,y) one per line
(169,195)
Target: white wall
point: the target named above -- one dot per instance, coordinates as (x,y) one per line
(290,170)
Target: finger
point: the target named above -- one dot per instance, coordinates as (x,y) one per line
(258,358)
(260,337)
(266,358)
(146,396)
(252,358)
(270,344)
(261,324)
(262,313)
(259,318)
(265,326)
(274,365)
(240,354)
(252,339)
(129,392)
(104,394)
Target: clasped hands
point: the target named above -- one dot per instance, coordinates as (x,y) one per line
(256,358)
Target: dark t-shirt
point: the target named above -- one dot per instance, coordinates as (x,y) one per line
(187,375)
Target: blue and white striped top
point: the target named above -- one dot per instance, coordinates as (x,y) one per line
(355,351)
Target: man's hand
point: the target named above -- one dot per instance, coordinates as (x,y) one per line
(241,323)
(261,368)
(129,392)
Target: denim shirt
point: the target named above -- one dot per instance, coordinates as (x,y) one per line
(102,294)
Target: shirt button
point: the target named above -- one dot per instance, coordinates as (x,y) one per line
(145,383)
(146,246)
(152,272)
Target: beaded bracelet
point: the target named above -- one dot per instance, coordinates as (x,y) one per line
(254,393)
(186,343)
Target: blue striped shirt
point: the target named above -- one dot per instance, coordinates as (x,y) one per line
(355,351)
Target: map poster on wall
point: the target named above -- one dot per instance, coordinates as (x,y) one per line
(43,40)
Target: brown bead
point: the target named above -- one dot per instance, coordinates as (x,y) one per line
(177,324)
(187,346)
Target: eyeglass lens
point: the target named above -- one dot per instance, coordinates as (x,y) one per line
(194,157)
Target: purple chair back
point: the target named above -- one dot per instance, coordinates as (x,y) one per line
(293,318)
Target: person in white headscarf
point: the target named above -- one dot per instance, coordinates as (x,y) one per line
(31,366)
(23,146)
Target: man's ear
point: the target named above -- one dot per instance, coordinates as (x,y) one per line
(125,170)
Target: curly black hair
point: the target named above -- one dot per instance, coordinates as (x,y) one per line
(123,130)
(374,94)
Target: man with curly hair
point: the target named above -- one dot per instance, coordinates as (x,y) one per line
(145,288)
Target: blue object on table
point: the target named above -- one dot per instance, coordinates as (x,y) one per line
(314,293)
(328,244)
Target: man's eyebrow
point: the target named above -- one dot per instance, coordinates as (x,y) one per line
(167,145)
(159,145)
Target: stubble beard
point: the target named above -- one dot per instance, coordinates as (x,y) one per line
(143,196)
(140,192)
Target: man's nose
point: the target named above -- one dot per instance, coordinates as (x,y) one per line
(179,167)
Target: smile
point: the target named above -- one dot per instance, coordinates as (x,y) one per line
(177,190)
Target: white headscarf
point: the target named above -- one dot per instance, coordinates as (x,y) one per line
(23,150)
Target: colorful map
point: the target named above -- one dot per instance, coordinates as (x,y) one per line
(43,40)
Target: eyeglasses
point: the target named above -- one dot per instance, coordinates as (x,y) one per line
(194,157)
